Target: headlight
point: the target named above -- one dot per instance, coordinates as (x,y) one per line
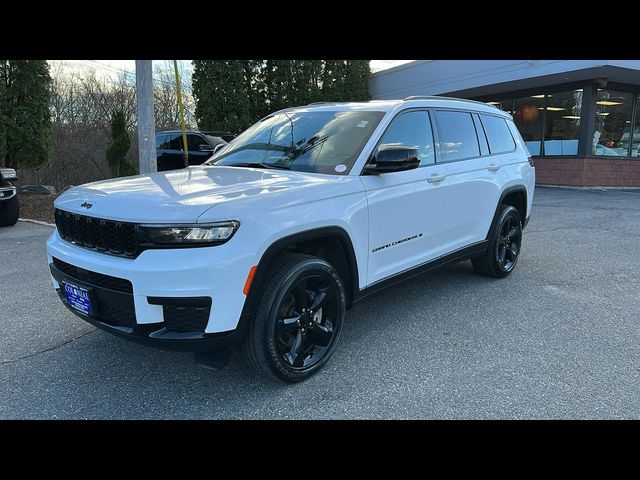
(190,235)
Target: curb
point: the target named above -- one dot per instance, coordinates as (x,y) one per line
(37,222)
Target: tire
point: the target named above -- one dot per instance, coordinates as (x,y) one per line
(287,341)
(505,244)
(9,212)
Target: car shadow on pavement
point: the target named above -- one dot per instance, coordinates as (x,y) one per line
(103,376)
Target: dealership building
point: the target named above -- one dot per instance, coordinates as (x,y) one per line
(579,118)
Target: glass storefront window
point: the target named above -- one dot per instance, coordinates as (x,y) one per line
(635,145)
(562,123)
(504,105)
(612,136)
(528,116)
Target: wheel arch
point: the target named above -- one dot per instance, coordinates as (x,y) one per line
(306,241)
(515,196)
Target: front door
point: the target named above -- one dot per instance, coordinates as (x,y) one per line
(405,208)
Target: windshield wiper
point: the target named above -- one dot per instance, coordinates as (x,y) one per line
(310,145)
(256,165)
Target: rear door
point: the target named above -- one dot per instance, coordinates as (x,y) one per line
(474,178)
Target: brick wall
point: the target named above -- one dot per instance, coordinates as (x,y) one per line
(587,172)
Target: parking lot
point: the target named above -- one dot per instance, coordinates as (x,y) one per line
(557,339)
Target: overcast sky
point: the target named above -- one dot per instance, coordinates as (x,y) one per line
(117,66)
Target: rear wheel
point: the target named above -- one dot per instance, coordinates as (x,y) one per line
(9,211)
(505,243)
(298,320)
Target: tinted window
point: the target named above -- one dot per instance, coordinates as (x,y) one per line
(175,141)
(457,134)
(161,142)
(412,129)
(194,142)
(498,134)
(482,138)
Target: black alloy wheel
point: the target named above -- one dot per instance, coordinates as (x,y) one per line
(505,245)
(298,319)
(508,243)
(304,327)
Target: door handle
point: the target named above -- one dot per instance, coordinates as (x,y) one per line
(435,178)
(493,167)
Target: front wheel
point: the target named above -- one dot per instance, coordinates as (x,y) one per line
(505,243)
(298,320)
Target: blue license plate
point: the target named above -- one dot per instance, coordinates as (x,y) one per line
(78,298)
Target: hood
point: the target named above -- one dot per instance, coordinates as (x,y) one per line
(180,196)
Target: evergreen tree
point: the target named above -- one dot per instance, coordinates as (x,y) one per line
(305,85)
(252,85)
(222,94)
(119,148)
(356,81)
(233,94)
(277,84)
(3,119)
(333,77)
(25,126)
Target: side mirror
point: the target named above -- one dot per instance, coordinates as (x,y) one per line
(206,148)
(218,147)
(393,158)
(7,174)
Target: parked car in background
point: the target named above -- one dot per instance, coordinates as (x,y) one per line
(200,146)
(9,206)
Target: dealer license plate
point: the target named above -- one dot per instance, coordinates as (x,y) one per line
(78,298)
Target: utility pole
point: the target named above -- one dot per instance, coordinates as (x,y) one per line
(185,145)
(146,118)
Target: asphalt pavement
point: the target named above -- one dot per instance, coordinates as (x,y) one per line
(559,338)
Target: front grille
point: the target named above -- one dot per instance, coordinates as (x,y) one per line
(185,319)
(107,236)
(94,278)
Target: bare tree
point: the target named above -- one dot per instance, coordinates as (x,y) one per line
(82,103)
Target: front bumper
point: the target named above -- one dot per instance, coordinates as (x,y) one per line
(159,282)
(7,192)
(114,312)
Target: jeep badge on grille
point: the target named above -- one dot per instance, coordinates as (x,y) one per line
(87,205)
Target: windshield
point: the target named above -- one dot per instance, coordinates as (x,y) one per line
(315,141)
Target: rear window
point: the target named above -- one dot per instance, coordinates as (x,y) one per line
(457,133)
(498,134)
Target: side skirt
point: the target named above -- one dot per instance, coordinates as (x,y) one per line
(453,257)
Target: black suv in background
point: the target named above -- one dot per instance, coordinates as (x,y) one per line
(200,146)
(9,206)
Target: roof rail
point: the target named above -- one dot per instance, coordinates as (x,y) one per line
(438,97)
(321,103)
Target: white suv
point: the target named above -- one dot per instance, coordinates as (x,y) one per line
(308,211)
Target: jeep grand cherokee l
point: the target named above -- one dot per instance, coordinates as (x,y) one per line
(308,211)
